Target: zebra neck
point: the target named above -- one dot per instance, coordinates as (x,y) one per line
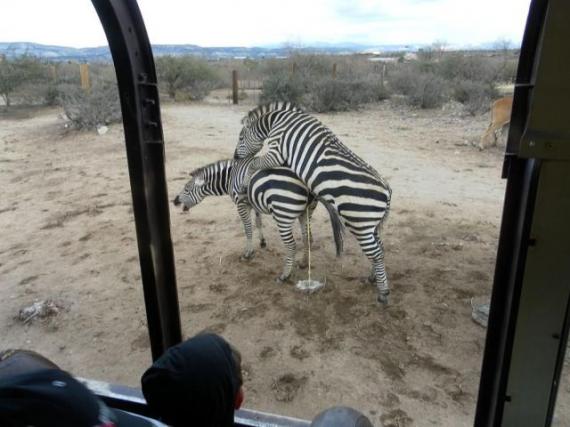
(268,122)
(220,179)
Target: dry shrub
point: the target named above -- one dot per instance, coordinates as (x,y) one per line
(90,109)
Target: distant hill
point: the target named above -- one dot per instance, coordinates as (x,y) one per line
(102,53)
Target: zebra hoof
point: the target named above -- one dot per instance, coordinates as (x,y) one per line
(383,297)
(247,256)
(282,279)
(262,243)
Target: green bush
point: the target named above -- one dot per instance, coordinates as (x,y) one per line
(186,77)
(307,79)
(429,91)
(422,89)
(282,86)
(475,96)
(457,66)
(343,95)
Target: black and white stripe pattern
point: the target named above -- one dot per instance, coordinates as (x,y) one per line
(332,172)
(215,180)
(277,192)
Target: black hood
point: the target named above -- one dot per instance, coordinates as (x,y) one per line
(194,383)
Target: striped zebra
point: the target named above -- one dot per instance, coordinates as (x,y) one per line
(331,171)
(272,191)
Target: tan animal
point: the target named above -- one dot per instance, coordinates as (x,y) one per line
(500,117)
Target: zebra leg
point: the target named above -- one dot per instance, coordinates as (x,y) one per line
(374,251)
(286,232)
(244,211)
(259,226)
(305,233)
(372,276)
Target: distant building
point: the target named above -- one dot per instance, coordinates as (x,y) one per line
(383,59)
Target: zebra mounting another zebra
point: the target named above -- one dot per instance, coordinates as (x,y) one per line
(330,170)
(275,191)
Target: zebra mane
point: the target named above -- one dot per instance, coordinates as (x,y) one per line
(261,110)
(197,172)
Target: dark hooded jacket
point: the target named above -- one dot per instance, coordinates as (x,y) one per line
(194,383)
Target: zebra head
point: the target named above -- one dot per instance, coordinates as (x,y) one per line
(249,143)
(193,193)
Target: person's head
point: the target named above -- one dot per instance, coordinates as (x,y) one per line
(14,362)
(35,392)
(341,416)
(197,382)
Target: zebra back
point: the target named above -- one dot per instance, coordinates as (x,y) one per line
(261,110)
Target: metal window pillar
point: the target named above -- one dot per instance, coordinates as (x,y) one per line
(528,323)
(136,77)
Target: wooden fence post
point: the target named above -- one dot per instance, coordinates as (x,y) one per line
(293,68)
(334,71)
(53,72)
(382,75)
(84,73)
(235,87)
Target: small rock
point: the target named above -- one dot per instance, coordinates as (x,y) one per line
(480,314)
(102,130)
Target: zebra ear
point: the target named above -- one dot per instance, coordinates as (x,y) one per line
(199,181)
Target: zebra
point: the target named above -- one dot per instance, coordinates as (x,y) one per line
(274,191)
(330,170)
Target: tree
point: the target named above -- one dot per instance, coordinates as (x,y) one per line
(439,47)
(15,73)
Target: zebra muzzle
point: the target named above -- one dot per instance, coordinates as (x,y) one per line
(176,201)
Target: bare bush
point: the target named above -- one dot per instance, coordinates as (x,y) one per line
(90,109)
(18,72)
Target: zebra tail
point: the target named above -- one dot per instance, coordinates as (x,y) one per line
(337,226)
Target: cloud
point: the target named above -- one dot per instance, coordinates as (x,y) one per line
(360,11)
(262,22)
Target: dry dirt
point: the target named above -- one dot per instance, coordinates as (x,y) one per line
(68,236)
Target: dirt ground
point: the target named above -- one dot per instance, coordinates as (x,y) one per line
(68,235)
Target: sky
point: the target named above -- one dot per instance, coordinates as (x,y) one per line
(265,22)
